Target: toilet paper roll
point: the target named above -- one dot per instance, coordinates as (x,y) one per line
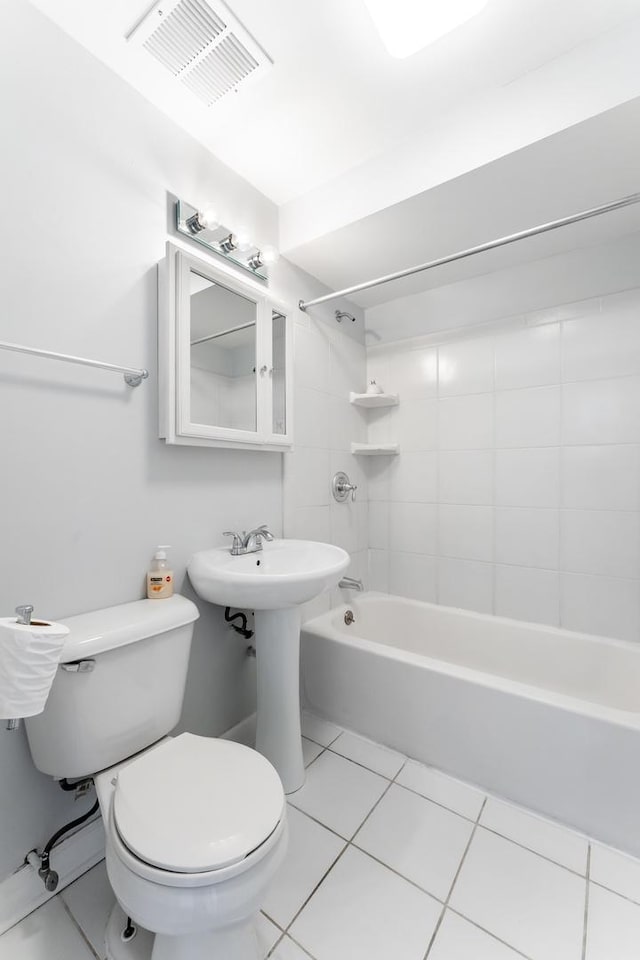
(29,656)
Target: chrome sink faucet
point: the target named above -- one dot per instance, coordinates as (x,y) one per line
(248,542)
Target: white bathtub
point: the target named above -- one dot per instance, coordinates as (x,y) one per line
(545,717)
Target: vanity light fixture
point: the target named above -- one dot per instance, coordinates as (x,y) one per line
(203,224)
(206,219)
(407,26)
(264,257)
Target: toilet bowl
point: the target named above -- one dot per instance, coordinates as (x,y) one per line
(195,826)
(195,830)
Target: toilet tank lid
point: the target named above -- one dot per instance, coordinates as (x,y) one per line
(113,627)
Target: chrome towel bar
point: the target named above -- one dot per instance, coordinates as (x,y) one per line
(132,377)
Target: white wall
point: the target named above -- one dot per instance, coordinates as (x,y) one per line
(517,489)
(87,488)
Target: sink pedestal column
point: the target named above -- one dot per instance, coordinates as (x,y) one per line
(278,735)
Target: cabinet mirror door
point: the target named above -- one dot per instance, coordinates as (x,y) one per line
(222,356)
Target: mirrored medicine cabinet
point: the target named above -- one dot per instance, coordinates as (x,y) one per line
(224,357)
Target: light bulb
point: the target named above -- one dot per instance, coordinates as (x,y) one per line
(243,238)
(209,218)
(269,254)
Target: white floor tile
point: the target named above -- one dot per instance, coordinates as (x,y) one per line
(615,870)
(48,933)
(310,751)
(419,839)
(363,911)
(613,927)
(457,939)
(533,905)
(540,835)
(268,934)
(321,731)
(339,793)
(451,793)
(288,950)
(379,759)
(312,850)
(90,899)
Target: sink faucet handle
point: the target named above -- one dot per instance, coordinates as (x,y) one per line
(236,546)
(263,531)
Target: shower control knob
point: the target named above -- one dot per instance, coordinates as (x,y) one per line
(341,487)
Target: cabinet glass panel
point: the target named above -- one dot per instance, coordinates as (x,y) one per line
(223,356)
(279,357)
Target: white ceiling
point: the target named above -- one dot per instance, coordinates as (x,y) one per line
(378,163)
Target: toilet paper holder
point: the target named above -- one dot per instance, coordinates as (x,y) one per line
(23,614)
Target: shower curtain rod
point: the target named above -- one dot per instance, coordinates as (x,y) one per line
(481,248)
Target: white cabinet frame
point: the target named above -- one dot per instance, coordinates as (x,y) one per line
(174,358)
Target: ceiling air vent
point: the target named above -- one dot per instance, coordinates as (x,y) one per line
(203,45)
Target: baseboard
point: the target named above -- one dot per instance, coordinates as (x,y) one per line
(243,732)
(24,891)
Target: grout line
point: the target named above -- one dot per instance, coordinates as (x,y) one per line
(479,926)
(451,888)
(586,905)
(523,846)
(76,924)
(616,893)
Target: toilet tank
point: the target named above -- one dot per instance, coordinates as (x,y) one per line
(118,688)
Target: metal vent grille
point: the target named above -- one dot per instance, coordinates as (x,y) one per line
(203,46)
(221,70)
(183,34)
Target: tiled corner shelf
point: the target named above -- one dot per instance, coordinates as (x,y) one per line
(374,399)
(375,449)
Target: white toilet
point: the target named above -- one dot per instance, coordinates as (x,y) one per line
(195,826)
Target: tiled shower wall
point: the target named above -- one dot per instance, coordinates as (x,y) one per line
(328,365)
(517,489)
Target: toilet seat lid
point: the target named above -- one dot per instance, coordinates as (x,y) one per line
(195,804)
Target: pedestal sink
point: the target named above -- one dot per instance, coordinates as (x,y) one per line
(273,582)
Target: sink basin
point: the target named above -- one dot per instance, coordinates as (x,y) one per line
(283,574)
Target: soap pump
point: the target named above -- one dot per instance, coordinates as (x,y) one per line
(159,577)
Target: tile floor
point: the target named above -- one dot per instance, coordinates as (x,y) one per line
(392,860)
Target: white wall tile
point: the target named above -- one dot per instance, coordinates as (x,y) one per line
(412,424)
(379,525)
(527,594)
(378,573)
(413,374)
(602,411)
(412,575)
(527,537)
(465,367)
(528,418)
(601,542)
(465,476)
(528,477)
(466,584)
(312,417)
(313,357)
(465,532)
(377,473)
(606,607)
(528,357)
(601,478)
(413,477)
(311,523)
(465,423)
(307,477)
(602,345)
(412,527)
(346,369)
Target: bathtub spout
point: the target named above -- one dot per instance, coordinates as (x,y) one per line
(350,583)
